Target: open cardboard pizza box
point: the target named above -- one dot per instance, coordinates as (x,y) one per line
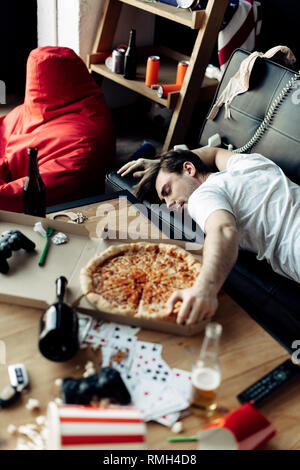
(32,285)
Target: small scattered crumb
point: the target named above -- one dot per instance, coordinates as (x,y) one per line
(41,420)
(89,365)
(12,429)
(32,404)
(58,382)
(58,401)
(89,372)
(95,347)
(177,427)
(83,346)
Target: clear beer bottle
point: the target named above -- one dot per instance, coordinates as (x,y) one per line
(206,373)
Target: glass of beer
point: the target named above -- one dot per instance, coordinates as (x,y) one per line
(206,372)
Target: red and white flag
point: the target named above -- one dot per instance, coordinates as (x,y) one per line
(242,29)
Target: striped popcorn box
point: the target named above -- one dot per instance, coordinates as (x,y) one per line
(91,427)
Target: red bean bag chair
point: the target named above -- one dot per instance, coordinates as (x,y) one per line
(65,116)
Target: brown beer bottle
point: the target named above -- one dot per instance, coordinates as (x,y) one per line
(34,190)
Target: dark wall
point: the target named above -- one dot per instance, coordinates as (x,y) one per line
(280,26)
(18,36)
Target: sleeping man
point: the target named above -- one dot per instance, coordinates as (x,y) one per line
(238,200)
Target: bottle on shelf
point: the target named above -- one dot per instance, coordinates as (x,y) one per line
(130,57)
(58,340)
(206,373)
(34,190)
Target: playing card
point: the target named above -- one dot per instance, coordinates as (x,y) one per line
(147,356)
(118,356)
(169,419)
(167,401)
(145,349)
(84,324)
(101,333)
(97,333)
(158,371)
(118,331)
(146,395)
(131,382)
(181,380)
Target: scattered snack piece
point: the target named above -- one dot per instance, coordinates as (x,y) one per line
(34,437)
(12,429)
(41,420)
(32,404)
(83,346)
(58,401)
(89,365)
(58,382)
(177,427)
(89,372)
(95,347)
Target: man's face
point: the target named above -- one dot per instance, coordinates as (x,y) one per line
(176,188)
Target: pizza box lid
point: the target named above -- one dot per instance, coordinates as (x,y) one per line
(32,285)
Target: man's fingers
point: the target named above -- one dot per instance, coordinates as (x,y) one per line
(124,167)
(172,301)
(185,310)
(129,167)
(137,174)
(197,313)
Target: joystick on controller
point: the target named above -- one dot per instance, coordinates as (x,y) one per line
(10,241)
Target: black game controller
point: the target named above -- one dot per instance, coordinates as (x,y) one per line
(107,383)
(12,241)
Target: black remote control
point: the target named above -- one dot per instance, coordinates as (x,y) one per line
(270,383)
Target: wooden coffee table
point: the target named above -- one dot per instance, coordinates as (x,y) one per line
(247,352)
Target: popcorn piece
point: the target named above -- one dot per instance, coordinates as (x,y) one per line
(41,420)
(89,372)
(177,427)
(58,382)
(12,429)
(32,404)
(58,401)
(89,365)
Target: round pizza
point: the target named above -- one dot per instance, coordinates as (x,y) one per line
(137,279)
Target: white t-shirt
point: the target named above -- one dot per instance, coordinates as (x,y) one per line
(266,207)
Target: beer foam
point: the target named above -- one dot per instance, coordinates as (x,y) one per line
(206,379)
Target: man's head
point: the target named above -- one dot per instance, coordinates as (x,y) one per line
(176,175)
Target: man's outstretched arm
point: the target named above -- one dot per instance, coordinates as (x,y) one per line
(214,156)
(220,252)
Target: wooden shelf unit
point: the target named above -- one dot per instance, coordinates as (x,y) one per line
(192,19)
(196,87)
(167,74)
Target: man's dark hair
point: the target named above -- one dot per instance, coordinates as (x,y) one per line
(172,162)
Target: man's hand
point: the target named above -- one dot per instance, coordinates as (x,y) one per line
(198,304)
(141,164)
